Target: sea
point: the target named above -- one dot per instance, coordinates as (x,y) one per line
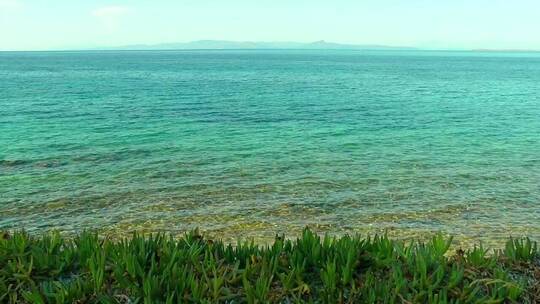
(247,144)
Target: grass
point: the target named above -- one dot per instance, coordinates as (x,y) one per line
(310,269)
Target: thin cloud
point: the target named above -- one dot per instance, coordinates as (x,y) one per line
(110,17)
(112,12)
(10,5)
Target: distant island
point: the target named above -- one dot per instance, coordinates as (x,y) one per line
(507,50)
(224,44)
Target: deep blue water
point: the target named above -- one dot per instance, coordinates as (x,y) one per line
(250,143)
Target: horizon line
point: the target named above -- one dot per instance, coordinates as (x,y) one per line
(266,45)
(274,49)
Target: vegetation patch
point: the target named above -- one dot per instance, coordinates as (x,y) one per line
(312,269)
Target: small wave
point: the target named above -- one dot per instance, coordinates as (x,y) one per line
(10,163)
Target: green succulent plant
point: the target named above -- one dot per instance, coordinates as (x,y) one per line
(311,269)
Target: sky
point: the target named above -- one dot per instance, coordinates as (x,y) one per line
(432,24)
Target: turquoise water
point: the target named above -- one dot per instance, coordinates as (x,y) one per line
(250,143)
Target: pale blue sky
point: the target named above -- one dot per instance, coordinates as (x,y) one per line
(454,24)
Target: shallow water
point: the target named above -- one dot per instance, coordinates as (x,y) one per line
(250,143)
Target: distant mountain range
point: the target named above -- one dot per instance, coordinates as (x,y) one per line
(223,44)
(507,50)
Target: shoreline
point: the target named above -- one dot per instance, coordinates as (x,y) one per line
(264,236)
